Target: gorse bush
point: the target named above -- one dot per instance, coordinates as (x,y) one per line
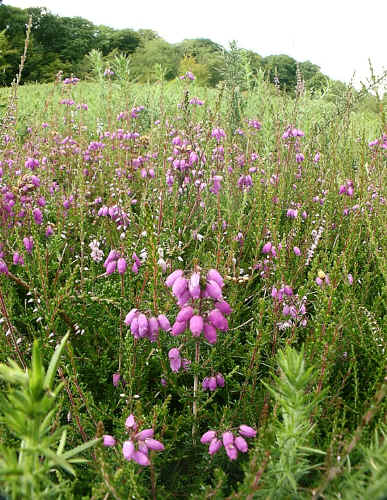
(29,412)
(218,258)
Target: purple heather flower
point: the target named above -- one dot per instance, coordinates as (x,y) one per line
(194,285)
(185,314)
(18,259)
(143,326)
(116,379)
(227,438)
(179,286)
(196,325)
(184,298)
(212,383)
(129,317)
(3,267)
(350,279)
(121,265)
(28,243)
(134,327)
(153,329)
(224,307)
(140,458)
(213,290)
(213,275)
(128,449)
(217,319)
(108,440)
(144,434)
(288,290)
(231,451)
(241,444)
(111,267)
(220,380)
(130,422)
(218,133)
(173,277)
(247,431)
(38,216)
(153,444)
(297,251)
(215,446)
(164,322)
(267,247)
(209,333)
(174,359)
(178,328)
(208,437)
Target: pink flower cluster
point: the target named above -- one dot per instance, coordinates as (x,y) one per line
(211,383)
(115,261)
(137,447)
(292,305)
(292,132)
(232,444)
(176,361)
(141,326)
(347,188)
(196,301)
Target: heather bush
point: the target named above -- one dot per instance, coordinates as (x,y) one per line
(219,260)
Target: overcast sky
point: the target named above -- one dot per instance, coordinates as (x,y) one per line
(338,35)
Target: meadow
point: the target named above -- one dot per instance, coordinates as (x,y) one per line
(192,291)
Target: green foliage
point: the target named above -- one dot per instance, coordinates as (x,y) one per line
(28,410)
(297,407)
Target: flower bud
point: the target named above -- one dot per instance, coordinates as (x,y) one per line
(108,440)
(144,434)
(196,325)
(121,265)
(185,314)
(241,444)
(208,437)
(178,328)
(173,277)
(128,450)
(215,446)
(153,444)
(209,333)
(140,458)
(164,322)
(129,317)
(246,431)
(228,438)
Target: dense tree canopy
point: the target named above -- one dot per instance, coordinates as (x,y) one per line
(63,43)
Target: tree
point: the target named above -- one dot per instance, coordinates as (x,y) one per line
(153,52)
(284,68)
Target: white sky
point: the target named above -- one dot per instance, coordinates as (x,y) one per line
(337,35)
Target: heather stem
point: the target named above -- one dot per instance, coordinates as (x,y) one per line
(195,389)
(121,322)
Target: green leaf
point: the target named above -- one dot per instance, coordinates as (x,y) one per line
(54,363)
(81,448)
(62,442)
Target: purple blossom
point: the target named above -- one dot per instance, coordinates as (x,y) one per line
(108,440)
(174,359)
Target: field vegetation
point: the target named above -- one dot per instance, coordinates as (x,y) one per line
(192,286)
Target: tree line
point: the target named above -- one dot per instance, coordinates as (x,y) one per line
(64,44)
